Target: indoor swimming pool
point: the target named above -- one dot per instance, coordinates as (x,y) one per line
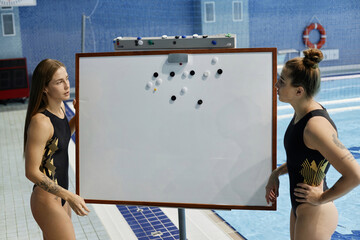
(341,97)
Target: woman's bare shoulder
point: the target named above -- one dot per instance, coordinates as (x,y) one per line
(40,123)
(319,125)
(318,131)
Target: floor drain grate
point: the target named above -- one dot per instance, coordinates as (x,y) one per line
(156,234)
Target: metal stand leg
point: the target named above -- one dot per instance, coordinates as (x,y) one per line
(83,23)
(182,224)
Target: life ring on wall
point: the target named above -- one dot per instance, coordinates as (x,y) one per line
(308,29)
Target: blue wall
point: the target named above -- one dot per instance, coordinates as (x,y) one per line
(224,21)
(11,46)
(52,29)
(281,24)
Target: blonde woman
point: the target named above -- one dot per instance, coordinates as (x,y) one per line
(46,138)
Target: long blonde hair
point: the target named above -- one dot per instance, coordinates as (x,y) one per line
(42,75)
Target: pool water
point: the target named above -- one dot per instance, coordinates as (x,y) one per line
(342,100)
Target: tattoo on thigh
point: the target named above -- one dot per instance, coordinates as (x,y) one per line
(337,142)
(48,185)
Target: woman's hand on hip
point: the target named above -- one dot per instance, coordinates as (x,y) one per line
(309,194)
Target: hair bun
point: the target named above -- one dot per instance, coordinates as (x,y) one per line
(312,57)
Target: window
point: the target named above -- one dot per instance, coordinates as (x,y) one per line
(237,11)
(209,12)
(6,8)
(8,26)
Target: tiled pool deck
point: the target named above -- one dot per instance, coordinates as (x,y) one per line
(104,221)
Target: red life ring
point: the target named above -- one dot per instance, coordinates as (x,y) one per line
(308,29)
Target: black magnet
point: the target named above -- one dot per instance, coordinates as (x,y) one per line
(219,71)
(200,102)
(192,72)
(173,98)
(155,74)
(172,74)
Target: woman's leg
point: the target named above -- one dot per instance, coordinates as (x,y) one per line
(292,224)
(315,222)
(52,218)
(67,209)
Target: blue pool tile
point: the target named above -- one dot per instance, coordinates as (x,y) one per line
(126,213)
(140,235)
(151,219)
(149,229)
(146,224)
(168,238)
(135,227)
(354,236)
(143,238)
(166,234)
(146,220)
(132,222)
(141,220)
(162,217)
(154,238)
(155,222)
(139,230)
(172,228)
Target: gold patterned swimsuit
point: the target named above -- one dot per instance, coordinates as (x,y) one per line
(304,164)
(55,161)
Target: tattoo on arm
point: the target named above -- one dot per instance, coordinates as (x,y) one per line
(337,142)
(48,185)
(349,157)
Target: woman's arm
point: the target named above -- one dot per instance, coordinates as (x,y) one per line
(72,122)
(281,170)
(272,187)
(39,132)
(320,135)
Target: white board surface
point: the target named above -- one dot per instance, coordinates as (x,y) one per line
(135,144)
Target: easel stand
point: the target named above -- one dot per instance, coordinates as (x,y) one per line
(182,224)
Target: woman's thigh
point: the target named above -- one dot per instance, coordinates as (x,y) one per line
(292,224)
(52,218)
(315,222)
(67,209)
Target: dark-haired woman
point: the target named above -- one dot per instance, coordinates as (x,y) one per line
(311,143)
(46,139)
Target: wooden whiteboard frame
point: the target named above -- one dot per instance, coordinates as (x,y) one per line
(205,205)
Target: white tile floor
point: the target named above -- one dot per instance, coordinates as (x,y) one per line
(16,220)
(103,222)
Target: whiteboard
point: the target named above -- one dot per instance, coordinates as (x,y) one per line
(146,139)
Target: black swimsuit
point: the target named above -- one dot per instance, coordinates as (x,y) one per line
(304,164)
(55,161)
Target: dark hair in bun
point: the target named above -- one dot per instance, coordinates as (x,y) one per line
(312,57)
(304,71)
